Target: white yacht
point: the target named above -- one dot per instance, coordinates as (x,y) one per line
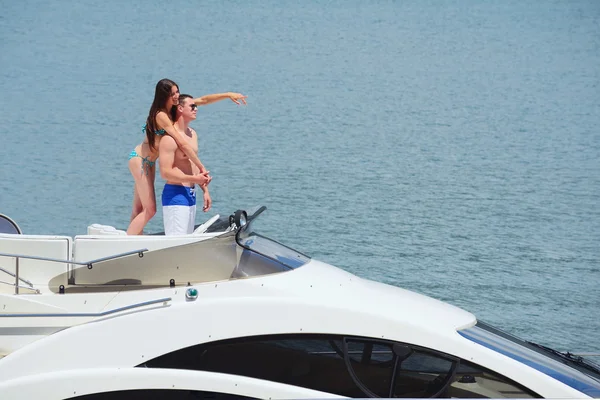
(228,313)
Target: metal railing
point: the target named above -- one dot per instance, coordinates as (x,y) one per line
(15,276)
(98,314)
(89,264)
(36,291)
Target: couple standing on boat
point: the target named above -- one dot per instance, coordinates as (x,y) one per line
(169,136)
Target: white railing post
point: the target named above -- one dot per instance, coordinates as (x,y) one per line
(16,275)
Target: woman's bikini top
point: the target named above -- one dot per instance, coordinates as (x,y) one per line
(160,132)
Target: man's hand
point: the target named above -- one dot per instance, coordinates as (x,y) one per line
(209,180)
(202,178)
(237,98)
(207,202)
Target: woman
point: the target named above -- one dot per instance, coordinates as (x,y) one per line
(143,158)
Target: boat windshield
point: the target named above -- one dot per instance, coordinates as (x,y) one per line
(574,371)
(259,247)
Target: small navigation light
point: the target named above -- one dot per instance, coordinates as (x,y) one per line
(191,294)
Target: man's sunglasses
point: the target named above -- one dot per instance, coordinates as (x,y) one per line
(193,107)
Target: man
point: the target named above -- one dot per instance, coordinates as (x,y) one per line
(179,194)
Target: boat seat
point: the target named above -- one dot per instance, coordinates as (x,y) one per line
(98,229)
(34,272)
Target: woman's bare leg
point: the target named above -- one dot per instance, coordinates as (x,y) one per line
(136,208)
(144,189)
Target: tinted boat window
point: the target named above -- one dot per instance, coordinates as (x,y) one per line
(311,362)
(422,374)
(347,366)
(160,394)
(473,381)
(372,363)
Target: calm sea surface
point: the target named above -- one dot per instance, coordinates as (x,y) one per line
(448,147)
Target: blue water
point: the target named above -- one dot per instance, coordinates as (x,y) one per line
(451,148)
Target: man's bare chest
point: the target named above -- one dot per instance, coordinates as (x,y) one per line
(191,141)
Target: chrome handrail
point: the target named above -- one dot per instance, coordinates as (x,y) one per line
(14,276)
(89,264)
(100,314)
(37,291)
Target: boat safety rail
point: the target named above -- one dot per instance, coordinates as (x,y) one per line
(37,291)
(98,314)
(89,264)
(14,276)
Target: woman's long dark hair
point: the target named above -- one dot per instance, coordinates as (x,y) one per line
(161,95)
